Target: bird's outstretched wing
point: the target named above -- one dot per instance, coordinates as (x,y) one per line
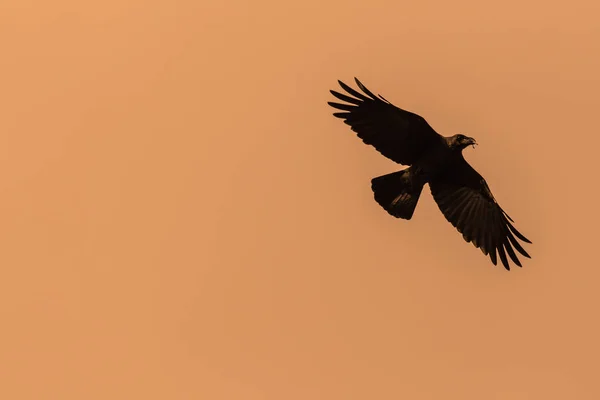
(400,135)
(466,201)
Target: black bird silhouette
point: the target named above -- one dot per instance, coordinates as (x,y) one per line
(460,192)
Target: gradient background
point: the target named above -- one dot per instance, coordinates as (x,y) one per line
(182,218)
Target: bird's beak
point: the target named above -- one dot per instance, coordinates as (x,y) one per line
(472,142)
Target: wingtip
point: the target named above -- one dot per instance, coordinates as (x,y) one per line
(518,263)
(359,84)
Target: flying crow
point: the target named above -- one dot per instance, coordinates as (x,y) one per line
(460,192)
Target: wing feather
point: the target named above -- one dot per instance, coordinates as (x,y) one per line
(345,98)
(339,106)
(511,253)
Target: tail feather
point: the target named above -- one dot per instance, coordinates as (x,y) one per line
(397,193)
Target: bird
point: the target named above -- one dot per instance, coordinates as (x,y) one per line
(460,192)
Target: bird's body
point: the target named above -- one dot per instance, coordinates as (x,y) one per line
(461,193)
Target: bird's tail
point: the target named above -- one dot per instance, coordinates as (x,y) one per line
(398,193)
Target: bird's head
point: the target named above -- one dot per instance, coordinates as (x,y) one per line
(459,142)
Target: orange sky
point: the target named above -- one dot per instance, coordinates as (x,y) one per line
(183,218)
